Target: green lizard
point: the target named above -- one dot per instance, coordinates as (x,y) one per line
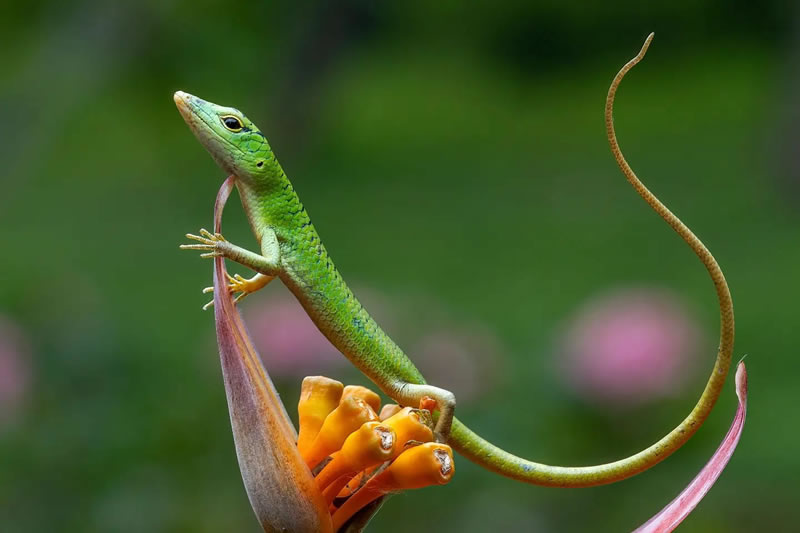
(291,250)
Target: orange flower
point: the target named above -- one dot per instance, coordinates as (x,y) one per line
(371,444)
(372,399)
(318,397)
(345,419)
(375,458)
(421,466)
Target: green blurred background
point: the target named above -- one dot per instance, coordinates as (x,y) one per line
(454,160)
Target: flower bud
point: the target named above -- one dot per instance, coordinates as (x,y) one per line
(349,416)
(428,464)
(318,397)
(409,425)
(424,465)
(427,403)
(372,399)
(371,444)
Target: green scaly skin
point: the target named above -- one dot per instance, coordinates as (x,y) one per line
(291,250)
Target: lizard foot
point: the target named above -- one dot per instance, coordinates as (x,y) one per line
(243,286)
(209,243)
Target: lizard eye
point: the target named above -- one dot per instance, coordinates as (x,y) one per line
(232,123)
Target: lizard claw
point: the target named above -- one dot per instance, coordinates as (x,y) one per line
(209,243)
(215,245)
(237,283)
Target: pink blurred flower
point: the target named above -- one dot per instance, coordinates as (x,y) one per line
(630,346)
(289,343)
(15,369)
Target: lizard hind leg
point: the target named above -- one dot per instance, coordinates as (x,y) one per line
(411,394)
(242,286)
(245,286)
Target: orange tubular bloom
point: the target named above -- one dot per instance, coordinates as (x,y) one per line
(409,424)
(424,465)
(348,417)
(372,399)
(371,444)
(318,397)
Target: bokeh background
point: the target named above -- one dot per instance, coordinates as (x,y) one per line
(454,160)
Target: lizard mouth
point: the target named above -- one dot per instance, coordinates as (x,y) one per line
(193,110)
(186,106)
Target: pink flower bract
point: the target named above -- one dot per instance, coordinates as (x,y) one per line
(288,340)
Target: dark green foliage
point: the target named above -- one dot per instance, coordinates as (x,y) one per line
(422,136)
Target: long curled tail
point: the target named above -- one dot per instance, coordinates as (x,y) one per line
(497,460)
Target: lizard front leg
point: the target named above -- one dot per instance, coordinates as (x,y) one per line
(270,249)
(215,245)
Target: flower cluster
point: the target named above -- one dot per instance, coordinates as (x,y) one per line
(358,455)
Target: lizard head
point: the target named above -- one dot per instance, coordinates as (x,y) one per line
(235,143)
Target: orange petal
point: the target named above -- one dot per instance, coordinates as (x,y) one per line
(351,413)
(424,465)
(428,464)
(427,403)
(371,444)
(410,425)
(372,399)
(319,396)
